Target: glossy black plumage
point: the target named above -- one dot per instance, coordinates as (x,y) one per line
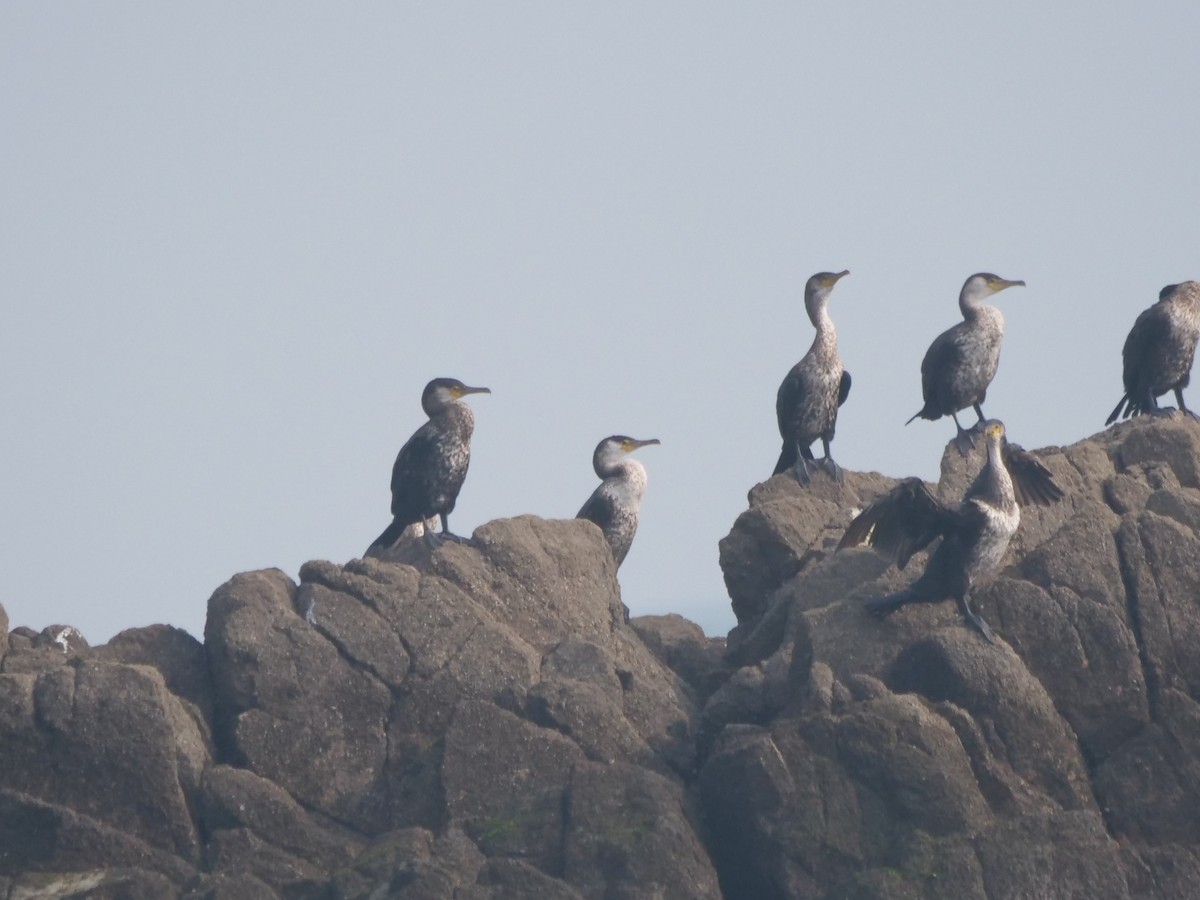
(1159,351)
(974,534)
(431,466)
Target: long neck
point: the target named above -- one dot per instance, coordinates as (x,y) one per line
(971,304)
(825,340)
(1001,481)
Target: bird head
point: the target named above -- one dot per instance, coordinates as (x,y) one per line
(441,391)
(984,284)
(817,289)
(614,447)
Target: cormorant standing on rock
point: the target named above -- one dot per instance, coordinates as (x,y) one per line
(809,397)
(430,467)
(615,504)
(1159,351)
(961,362)
(974,534)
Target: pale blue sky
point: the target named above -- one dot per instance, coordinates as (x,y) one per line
(237,240)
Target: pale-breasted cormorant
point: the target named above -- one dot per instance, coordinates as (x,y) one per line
(808,399)
(430,467)
(974,534)
(1159,351)
(962,360)
(615,504)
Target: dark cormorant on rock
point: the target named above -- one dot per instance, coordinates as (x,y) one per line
(961,362)
(808,399)
(430,467)
(1159,351)
(615,504)
(974,534)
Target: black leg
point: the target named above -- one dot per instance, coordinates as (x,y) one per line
(963,441)
(979,412)
(830,466)
(976,621)
(801,470)
(1183,406)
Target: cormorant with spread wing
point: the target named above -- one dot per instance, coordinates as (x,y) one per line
(962,360)
(616,503)
(1159,351)
(809,397)
(431,466)
(975,534)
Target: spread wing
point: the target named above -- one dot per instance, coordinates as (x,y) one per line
(1032,482)
(902,522)
(844,387)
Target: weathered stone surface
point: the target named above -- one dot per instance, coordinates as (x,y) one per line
(129,764)
(686,650)
(54,645)
(626,836)
(177,656)
(290,705)
(478,722)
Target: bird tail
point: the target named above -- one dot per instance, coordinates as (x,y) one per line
(787,457)
(919,414)
(882,607)
(390,535)
(1121,404)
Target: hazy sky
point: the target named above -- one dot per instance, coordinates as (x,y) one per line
(237,239)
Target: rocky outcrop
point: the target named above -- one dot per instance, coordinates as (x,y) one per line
(481,721)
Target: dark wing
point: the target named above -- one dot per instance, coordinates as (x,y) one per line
(942,360)
(1032,482)
(790,397)
(902,522)
(414,469)
(599,508)
(1143,350)
(844,387)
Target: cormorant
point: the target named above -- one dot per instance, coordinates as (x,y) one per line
(974,534)
(961,362)
(1159,351)
(430,467)
(615,504)
(808,399)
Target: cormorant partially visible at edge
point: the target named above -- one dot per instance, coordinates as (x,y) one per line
(962,360)
(615,504)
(430,467)
(974,534)
(1159,351)
(808,399)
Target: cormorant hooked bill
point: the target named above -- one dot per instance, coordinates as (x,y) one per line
(1159,351)
(961,362)
(615,504)
(808,399)
(430,467)
(974,534)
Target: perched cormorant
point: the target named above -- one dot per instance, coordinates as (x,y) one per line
(961,362)
(430,467)
(808,399)
(1159,351)
(615,504)
(974,534)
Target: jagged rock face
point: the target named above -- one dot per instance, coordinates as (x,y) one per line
(480,723)
(909,758)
